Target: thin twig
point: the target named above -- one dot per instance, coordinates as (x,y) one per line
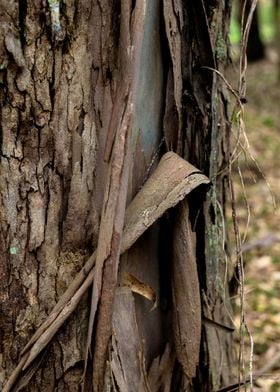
(14,376)
(240,275)
(258,374)
(247,207)
(65,313)
(64,299)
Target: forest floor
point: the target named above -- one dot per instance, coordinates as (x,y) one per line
(262,243)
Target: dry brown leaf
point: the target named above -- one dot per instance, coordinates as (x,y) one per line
(141,288)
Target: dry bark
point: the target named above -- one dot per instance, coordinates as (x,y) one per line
(77,113)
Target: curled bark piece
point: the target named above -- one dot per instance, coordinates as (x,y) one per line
(173,179)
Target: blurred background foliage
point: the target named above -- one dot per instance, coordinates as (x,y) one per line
(262,242)
(266,20)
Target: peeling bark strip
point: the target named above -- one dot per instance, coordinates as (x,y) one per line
(112,219)
(108,251)
(173,18)
(161,370)
(127,350)
(185,292)
(173,179)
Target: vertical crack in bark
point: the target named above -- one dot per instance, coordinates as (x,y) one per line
(22,11)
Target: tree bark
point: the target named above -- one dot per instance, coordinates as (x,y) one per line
(64,90)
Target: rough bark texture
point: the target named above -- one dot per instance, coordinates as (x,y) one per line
(62,75)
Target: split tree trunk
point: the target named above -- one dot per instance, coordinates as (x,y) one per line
(62,77)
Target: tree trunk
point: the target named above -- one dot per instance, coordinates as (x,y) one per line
(65,74)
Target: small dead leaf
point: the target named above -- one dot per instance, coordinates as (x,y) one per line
(141,288)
